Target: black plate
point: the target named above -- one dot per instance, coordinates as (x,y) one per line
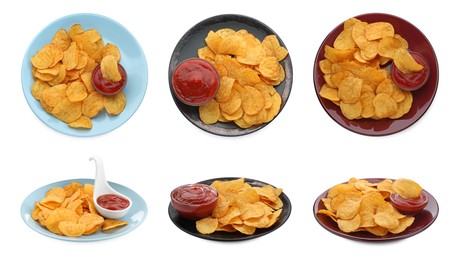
(188,226)
(195,38)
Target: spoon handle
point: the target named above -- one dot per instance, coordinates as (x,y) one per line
(100,182)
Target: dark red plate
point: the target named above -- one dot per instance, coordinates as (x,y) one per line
(422,220)
(422,98)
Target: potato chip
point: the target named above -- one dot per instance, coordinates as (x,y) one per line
(385,105)
(67,111)
(378,30)
(406,188)
(209,113)
(115,104)
(113,223)
(82,122)
(109,68)
(93,104)
(58,215)
(71,229)
(76,91)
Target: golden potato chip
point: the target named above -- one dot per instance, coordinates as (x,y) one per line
(113,223)
(232,104)
(407,188)
(67,111)
(405,62)
(109,68)
(349,89)
(336,55)
(71,229)
(349,225)
(43,58)
(93,104)
(70,58)
(252,100)
(115,104)
(385,105)
(82,122)
(58,215)
(111,49)
(225,88)
(209,113)
(378,30)
(76,91)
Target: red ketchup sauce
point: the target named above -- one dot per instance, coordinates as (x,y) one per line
(415,80)
(195,194)
(409,206)
(194,201)
(195,81)
(113,202)
(107,87)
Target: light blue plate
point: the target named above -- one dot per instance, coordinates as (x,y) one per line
(135,217)
(133,60)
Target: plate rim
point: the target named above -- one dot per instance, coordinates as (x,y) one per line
(434,73)
(287,207)
(62,127)
(25,212)
(216,129)
(353,235)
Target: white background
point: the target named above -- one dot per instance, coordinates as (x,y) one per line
(303,150)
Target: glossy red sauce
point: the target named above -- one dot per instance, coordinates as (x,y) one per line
(113,202)
(409,206)
(412,81)
(107,87)
(195,81)
(195,194)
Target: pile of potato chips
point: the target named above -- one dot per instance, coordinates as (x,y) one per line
(354,76)
(360,205)
(70,211)
(249,70)
(62,72)
(242,208)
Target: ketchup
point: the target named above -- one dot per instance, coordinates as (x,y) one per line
(113,202)
(107,87)
(195,81)
(412,81)
(195,194)
(409,206)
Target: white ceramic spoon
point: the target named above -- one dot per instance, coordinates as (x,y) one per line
(101,187)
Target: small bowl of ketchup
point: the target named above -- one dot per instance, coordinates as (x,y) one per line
(411,81)
(195,81)
(409,206)
(194,201)
(108,87)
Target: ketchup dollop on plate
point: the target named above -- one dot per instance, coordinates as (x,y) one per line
(411,81)
(107,87)
(195,81)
